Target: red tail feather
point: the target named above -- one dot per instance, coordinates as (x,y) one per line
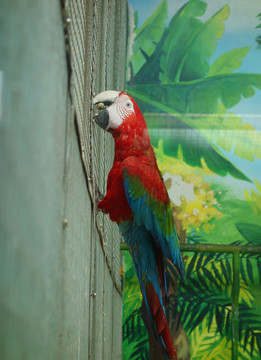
(160,321)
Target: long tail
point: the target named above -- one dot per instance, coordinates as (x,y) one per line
(159,322)
(149,264)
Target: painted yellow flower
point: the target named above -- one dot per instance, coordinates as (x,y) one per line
(194,201)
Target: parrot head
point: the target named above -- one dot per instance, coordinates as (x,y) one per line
(117,110)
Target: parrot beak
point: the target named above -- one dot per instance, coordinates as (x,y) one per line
(102,119)
(102,101)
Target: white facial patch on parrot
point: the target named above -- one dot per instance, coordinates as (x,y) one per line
(115,119)
(108,95)
(119,111)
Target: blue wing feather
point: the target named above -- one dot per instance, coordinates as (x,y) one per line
(139,241)
(145,216)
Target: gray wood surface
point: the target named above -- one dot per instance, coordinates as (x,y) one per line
(60,284)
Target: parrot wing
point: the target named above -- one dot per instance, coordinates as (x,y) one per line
(151,236)
(149,202)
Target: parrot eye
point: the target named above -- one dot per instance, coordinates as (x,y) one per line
(128,105)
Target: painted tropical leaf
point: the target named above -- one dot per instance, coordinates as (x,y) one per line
(183,44)
(149,73)
(177,52)
(259,17)
(147,34)
(245,139)
(131,289)
(135,338)
(228,132)
(254,198)
(233,210)
(205,306)
(176,133)
(182,28)
(200,53)
(206,344)
(251,232)
(199,96)
(228,62)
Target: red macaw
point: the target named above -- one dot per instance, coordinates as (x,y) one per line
(138,201)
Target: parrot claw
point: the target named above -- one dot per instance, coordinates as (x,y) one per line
(98,197)
(98,194)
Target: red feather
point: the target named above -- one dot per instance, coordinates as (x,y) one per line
(115,202)
(160,320)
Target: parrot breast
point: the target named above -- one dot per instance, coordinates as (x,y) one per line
(115,203)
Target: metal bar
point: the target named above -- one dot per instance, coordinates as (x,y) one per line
(241,249)
(235,304)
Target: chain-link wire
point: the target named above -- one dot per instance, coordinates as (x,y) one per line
(90,55)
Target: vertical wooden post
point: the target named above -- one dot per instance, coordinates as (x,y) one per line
(235,304)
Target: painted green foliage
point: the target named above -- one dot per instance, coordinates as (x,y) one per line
(187,109)
(204,297)
(258,38)
(184,88)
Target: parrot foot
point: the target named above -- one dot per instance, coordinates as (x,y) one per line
(98,197)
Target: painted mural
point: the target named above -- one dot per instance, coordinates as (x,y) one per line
(194,70)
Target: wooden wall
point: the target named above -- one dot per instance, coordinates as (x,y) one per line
(60,284)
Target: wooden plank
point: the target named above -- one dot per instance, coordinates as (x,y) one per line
(51,259)
(76,260)
(108,315)
(117,326)
(97,336)
(32,133)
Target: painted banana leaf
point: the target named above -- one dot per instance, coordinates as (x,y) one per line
(183,88)
(185,44)
(176,133)
(228,62)
(199,96)
(229,132)
(146,36)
